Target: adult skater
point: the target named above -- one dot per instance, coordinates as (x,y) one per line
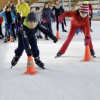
(80,20)
(9,19)
(27,39)
(47,14)
(58,10)
(24,9)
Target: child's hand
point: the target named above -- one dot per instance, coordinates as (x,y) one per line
(44,21)
(55,40)
(86,41)
(55,20)
(60,19)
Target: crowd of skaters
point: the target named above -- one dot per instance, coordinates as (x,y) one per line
(27,24)
(14,15)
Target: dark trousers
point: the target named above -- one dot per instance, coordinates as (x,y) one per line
(32,43)
(18,25)
(22,20)
(48,26)
(13,29)
(71,34)
(1,30)
(90,21)
(57,24)
(8,28)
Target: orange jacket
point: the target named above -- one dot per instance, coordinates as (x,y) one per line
(1,20)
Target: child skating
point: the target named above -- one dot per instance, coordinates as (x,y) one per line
(27,39)
(80,20)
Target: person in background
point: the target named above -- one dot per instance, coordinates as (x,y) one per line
(13,9)
(1,21)
(47,14)
(23,9)
(58,10)
(38,16)
(9,19)
(90,14)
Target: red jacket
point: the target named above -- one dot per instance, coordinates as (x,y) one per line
(90,9)
(1,20)
(78,20)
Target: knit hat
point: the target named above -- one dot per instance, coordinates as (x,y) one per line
(84,8)
(31,17)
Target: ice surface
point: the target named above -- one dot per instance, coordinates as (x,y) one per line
(65,78)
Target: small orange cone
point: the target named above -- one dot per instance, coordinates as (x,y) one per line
(30,67)
(11,39)
(57,35)
(87,56)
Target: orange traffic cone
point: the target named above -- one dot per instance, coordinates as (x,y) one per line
(57,35)
(30,67)
(87,56)
(11,39)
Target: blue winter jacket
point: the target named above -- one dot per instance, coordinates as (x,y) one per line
(3,14)
(47,14)
(27,33)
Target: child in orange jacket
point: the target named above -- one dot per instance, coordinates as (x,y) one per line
(80,20)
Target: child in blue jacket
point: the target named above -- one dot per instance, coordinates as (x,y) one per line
(47,14)
(27,39)
(9,19)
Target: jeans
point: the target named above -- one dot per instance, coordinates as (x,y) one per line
(8,28)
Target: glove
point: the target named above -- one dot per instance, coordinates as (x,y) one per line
(28,52)
(55,40)
(44,21)
(91,15)
(55,20)
(60,19)
(86,41)
(21,29)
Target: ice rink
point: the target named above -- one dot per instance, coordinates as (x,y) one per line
(65,78)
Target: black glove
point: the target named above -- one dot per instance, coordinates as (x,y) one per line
(28,52)
(55,39)
(91,15)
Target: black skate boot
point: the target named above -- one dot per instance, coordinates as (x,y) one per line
(1,36)
(37,37)
(40,37)
(93,53)
(64,30)
(5,40)
(58,55)
(39,63)
(14,61)
(91,30)
(46,38)
(13,39)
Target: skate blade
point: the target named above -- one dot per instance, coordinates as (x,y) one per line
(11,67)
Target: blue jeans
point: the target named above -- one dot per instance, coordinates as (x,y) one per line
(8,28)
